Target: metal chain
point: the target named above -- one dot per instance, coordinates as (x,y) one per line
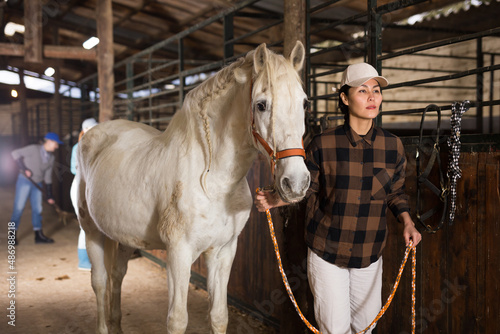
(454,172)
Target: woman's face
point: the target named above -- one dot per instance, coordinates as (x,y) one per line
(364,101)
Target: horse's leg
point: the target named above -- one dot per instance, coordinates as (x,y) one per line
(219,262)
(95,248)
(179,260)
(117,270)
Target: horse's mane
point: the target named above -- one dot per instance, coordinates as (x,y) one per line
(196,103)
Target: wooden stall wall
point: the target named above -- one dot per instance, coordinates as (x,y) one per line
(458,285)
(458,288)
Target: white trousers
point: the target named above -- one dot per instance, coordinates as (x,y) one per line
(346,300)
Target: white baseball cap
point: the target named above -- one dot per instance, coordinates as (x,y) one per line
(89,123)
(357,74)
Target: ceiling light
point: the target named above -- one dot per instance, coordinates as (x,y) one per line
(11,28)
(49,71)
(90,43)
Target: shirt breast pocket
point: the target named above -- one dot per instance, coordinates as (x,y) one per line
(381,184)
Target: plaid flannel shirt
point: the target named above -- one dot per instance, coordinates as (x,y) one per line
(353,181)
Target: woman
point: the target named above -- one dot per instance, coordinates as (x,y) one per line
(357,172)
(83,258)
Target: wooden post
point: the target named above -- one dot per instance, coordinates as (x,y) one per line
(33,32)
(57,86)
(105,59)
(293,246)
(294,26)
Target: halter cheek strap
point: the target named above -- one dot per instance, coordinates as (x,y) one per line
(290,152)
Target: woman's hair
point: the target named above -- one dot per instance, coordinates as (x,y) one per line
(343,107)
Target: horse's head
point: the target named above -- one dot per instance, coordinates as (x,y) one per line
(278,107)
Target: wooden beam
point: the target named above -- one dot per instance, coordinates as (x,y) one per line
(105,60)
(69,52)
(33,33)
(50,51)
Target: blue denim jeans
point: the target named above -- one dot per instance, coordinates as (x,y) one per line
(25,189)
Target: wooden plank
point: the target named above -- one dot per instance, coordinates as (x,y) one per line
(481,246)
(105,63)
(491,255)
(50,51)
(69,52)
(33,31)
(11,49)
(459,290)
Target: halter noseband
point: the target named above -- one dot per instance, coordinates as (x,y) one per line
(286,153)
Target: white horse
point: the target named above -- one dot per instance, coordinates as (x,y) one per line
(185,189)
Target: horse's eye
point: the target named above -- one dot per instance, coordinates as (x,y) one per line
(261,106)
(307,105)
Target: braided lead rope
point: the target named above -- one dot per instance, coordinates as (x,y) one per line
(283,275)
(454,172)
(395,287)
(384,308)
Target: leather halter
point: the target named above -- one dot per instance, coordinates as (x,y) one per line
(289,152)
(275,157)
(423,176)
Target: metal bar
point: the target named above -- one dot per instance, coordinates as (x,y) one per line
(340,47)
(441,56)
(426,29)
(419,69)
(181,70)
(70,102)
(448,41)
(142,74)
(308,68)
(446,77)
(492,87)
(322,74)
(130,87)
(158,107)
(150,88)
(228,36)
(321,6)
(38,135)
(396,5)
(479,84)
(443,107)
(270,25)
(332,25)
(374,42)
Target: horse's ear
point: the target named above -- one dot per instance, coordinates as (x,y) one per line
(297,56)
(260,57)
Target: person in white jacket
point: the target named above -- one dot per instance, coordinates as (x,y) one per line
(83,258)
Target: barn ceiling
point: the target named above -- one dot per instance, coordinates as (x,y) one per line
(138,24)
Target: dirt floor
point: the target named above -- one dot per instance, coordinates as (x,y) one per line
(53,296)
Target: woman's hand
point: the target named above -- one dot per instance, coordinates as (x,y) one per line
(410,232)
(265,200)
